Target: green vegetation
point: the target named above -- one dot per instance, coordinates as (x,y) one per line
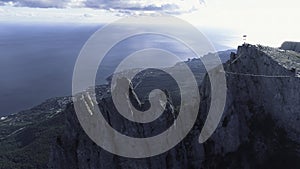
(26,137)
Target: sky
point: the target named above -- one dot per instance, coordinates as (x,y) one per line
(266,22)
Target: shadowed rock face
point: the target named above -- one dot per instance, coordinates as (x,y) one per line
(26,137)
(74,149)
(294,46)
(259,128)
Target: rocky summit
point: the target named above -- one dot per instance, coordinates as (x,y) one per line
(259,128)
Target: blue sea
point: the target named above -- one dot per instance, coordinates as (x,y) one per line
(37,61)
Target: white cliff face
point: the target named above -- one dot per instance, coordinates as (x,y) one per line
(261,123)
(267,77)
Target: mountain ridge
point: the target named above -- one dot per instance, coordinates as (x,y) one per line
(260,122)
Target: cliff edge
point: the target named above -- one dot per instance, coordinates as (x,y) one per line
(260,126)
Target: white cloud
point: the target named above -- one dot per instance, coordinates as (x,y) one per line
(266,22)
(127,6)
(10,14)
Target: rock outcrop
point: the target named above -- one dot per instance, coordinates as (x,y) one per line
(260,127)
(74,149)
(294,46)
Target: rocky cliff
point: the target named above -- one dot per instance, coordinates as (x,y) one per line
(260,126)
(74,149)
(294,46)
(259,129)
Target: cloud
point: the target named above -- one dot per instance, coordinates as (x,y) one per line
(125,6)
(36,3)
